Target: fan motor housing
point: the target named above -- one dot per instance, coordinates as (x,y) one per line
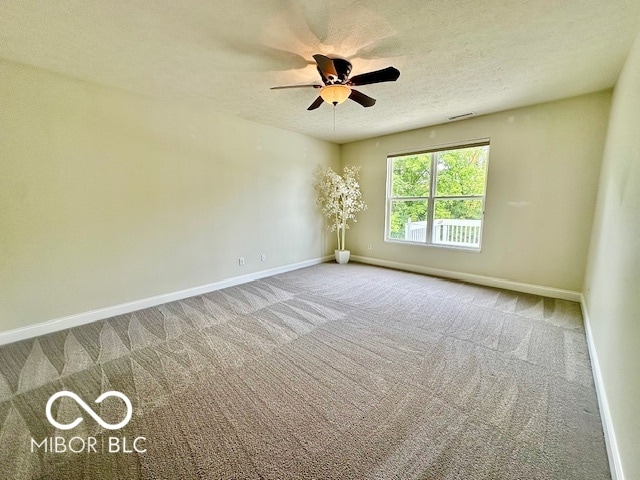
(343,69)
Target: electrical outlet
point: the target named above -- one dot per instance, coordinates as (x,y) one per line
(369,247)
(263,257)
(241,261)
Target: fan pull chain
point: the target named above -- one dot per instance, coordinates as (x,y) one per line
(334,117)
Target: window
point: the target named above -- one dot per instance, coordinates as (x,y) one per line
(437,197)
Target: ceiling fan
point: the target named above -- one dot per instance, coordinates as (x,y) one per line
(337,85)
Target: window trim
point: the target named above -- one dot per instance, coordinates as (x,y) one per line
(484,142)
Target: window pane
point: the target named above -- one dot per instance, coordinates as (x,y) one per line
(411,176)
(408,220)
(462,172)
(457,222)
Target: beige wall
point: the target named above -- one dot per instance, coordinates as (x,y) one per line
(543,174)
(612,287)
(108,197)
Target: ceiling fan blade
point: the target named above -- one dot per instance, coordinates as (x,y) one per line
(296,86)
(325,66)
(362,99)
(389,74)
(316,103)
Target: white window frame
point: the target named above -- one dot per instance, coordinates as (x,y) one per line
(431,199)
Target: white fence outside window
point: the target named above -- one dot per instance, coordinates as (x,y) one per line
(459,233)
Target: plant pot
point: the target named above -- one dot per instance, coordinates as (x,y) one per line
(342,256)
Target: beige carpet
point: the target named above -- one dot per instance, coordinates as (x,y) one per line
(330,372)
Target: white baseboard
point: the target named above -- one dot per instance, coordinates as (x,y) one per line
(70,321)
(615,463)
(477,279)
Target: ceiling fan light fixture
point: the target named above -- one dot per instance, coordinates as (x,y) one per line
(335,94)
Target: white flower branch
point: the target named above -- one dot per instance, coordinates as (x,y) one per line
(341,199)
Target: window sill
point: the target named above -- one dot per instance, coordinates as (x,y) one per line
(434,245)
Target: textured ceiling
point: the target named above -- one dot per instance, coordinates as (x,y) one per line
(455,57)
